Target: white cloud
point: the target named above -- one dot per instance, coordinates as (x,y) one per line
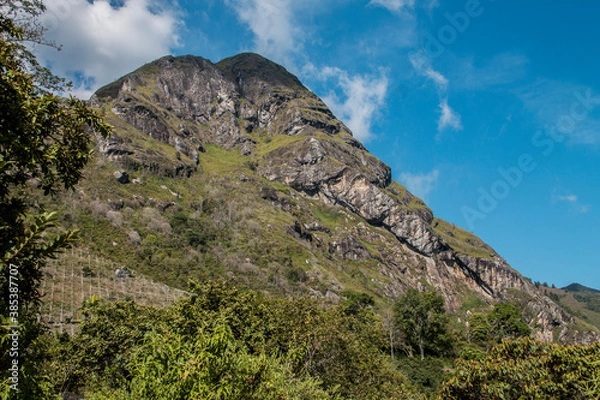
(394,5)
(433,4)
(569,111)
(358,99)
(405,6)
(570,198)
(575,206)
(420,184)
(102,42)
(501,69)
(422,65)
(448,117)
(272,22)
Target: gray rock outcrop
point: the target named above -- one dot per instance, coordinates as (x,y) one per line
(189,103)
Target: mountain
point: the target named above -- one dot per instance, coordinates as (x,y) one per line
(576,287)
(236,170)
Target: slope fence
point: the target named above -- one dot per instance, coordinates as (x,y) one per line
(77,275)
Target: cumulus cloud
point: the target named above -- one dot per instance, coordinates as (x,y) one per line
(103,40)
(278,33)
(420,184)
(358,99)
(448,117)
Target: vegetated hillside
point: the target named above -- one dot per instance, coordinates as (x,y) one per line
(576,287)
(578,300)
(590,298)
(236,170)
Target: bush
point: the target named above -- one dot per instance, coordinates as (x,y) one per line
(526,369)
(238,344)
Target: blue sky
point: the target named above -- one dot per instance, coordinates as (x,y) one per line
(488,110)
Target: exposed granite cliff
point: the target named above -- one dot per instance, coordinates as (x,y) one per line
(188,103)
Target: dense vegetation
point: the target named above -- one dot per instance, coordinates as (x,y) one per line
(44,144)
(223,341)
(230,344)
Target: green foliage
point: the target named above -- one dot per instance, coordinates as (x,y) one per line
(44,144)
(479,329)
(507,322)
(461,240)
(229,344)
(421,317)
(526,369)
(44,140)
(251,165)
(210,365)
(104,343)
(427,374)
(356,301)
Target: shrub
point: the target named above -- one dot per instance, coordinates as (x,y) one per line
(115,218)
(527,369)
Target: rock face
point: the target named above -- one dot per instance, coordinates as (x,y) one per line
(188,103)
(121,176)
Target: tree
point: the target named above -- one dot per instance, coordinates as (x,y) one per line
(45,141)
(421,317)
(356,301)
(222,339)
(526,369)
(507,322)
(389,324)
(478,329)
(24,14)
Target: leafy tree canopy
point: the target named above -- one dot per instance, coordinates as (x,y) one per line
(421,317)
(45,141)
(526,369)
(507,322)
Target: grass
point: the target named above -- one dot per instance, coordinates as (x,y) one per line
(473,303)
(328,216)
(574,305)
(417,204)
(222,162)
(276,142)
(461,240)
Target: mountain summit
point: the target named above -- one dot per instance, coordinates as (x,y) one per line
(259,182)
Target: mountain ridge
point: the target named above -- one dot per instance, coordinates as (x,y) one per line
(248,126)
(577,287)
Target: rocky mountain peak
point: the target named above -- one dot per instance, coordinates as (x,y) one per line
(249,68)
(254,108)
